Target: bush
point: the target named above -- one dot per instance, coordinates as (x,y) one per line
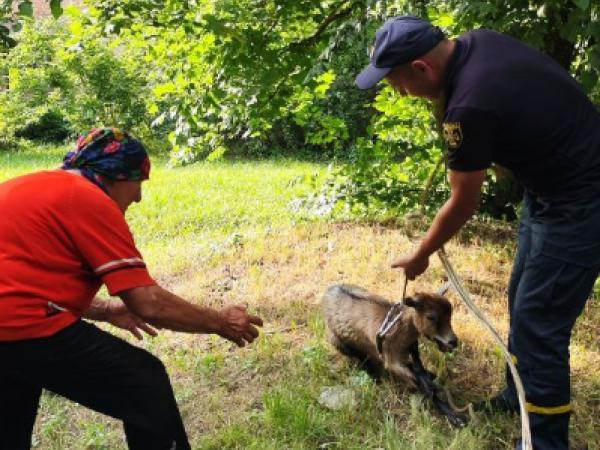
(64,78)
(50,127)
(35,85)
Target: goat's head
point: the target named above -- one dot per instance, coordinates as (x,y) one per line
(432,319)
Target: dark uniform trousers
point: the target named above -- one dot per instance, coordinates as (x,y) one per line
(557,263)
(97,370)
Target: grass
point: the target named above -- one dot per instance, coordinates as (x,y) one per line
(221,233)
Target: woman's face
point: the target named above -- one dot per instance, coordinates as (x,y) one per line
(124,193)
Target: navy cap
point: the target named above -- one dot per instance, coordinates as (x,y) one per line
(398,41)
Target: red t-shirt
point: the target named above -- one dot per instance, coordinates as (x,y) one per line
(61,237)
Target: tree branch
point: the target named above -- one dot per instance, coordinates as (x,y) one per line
(335,15)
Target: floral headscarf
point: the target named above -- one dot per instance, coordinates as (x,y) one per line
(109,153)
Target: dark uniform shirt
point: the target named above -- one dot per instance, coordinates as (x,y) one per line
(509,104)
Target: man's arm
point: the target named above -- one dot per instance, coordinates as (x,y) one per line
(163,309)
(464,199)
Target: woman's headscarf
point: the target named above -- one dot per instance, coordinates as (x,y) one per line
(109,153)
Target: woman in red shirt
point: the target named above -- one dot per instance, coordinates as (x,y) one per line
(62,235)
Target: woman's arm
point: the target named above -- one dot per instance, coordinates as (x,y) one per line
(98,310)
(163,309)
(119,316)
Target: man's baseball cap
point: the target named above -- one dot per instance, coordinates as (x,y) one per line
(398,41)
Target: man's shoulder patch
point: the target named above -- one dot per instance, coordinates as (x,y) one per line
(452,134)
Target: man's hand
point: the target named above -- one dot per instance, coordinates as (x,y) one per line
(413,265)
(120,317)
(465,190)
(238,326)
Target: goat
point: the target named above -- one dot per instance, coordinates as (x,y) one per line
(354,318)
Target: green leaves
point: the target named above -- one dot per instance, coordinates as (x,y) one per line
(240,61)
(565,30)
(324,82)
(26,9)
(582,4)
(215,75)
(589,79)
(5,40)
(54,74)
(590,76)
(56,8)
(162,90)
(10,13)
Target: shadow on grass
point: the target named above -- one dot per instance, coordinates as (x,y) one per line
(481,230)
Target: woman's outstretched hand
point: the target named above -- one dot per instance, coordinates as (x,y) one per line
(238,326)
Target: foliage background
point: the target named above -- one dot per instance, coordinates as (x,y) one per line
(255,78)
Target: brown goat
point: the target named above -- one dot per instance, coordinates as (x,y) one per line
(354,316)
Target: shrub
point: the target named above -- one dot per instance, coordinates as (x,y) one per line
(50,127)
(65,77)
(35,85)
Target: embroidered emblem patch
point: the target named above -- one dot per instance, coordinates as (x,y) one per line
(452,134)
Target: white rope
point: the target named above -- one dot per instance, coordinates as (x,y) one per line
(464,295)
(390,320)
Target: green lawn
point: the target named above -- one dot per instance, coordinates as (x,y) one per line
(198,209)
(223,232)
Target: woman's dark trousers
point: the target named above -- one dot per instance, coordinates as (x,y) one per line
(97,370)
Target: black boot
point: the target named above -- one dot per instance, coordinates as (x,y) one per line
(504,402)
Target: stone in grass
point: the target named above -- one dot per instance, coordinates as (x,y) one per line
(337,397)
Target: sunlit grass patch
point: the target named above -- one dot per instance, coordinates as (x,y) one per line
(45,157)
(65,425)
(222,233)
(223,199)
(291,416)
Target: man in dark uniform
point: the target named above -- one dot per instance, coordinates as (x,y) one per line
(505,103)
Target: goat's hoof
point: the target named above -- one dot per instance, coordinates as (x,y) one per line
(458,420)
(432,376)
(421,371)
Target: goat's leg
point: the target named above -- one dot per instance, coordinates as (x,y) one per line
(401,372)
(417,364)
(372,367)
(425,384)
(454,417)
(346,349)
(430,390)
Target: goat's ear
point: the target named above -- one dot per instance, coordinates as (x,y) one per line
(413,302)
